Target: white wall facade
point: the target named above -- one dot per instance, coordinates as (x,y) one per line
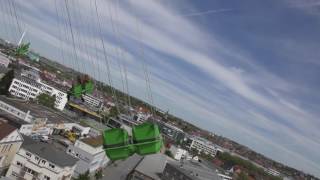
(30,166)
(4,61)
(16,112)
(26,90)
(178,153)
(9,146)
(90,158)
(203,146)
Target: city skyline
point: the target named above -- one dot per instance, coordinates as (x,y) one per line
(245,70)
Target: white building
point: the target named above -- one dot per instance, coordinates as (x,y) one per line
(92,101)
(90,153)
(178,153)
(203,145)
(4,61)
(37,160)
(11,109)
(10,142)
(27,88)
(272,172)
(31,118)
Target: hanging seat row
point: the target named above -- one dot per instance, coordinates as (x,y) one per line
(146,139)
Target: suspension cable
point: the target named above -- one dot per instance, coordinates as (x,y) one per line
(106,57)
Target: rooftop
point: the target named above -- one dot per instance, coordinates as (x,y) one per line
(12,120)
(93,141)
(37,111)
(122,169)
(152,165)
(195,171)
(48,152)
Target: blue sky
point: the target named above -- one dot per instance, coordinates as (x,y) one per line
(247,70)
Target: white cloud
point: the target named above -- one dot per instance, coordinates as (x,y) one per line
(234,95)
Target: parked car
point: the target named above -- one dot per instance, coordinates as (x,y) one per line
(44,138)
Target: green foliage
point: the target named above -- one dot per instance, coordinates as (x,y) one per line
(76,90)
(168,153)
(89,87)
(46,100)
(243,176)
(85,176)
(5,82)
(98,174)
(113,112)
(22,50)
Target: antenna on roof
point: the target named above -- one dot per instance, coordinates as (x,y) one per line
(22,36)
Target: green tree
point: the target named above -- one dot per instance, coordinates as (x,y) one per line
(243,176)
(84,176)
(46,100)
(113,112)
(168,153)
(98,174)
(5,82)
(22,50)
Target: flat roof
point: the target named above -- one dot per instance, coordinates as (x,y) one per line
(93,141)
(49,152)
(195,170)
(152,165)
(37,110)
(12,120)
(123,168)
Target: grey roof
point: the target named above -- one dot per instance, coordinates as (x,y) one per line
(152,165)
(12,120)
(48,152)
(122,169)
(38,111)
(197,171)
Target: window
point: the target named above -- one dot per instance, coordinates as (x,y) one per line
(46,177)
(69,150)
(36,158)
(43,162)
(28,154)
(19,163)
(4,148)
(9,147)
(52,166)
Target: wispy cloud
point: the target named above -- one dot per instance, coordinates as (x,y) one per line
(195,72)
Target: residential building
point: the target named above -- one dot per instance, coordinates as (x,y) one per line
(90,153)
(178,153)
(171,131)
(93,102)
(272,172)
(27,88)
(203,146)
(37,160)
(4,61)
(10,142)
(149,168)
